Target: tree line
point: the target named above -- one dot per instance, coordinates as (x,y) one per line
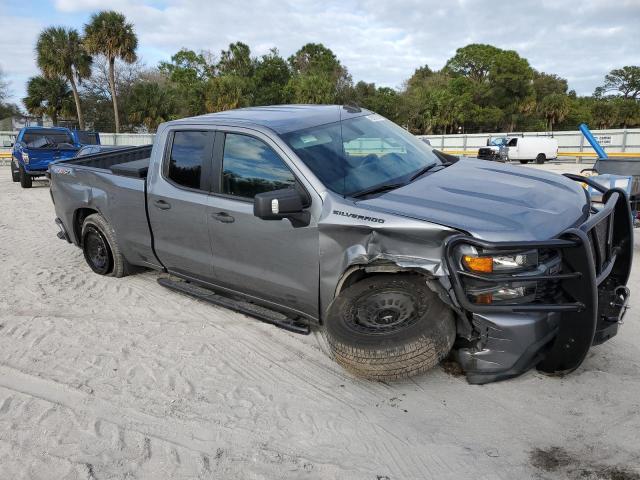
(96,77)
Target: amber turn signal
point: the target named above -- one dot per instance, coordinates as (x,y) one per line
(478,264)
(484,298)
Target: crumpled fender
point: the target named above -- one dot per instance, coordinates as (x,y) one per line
(353,238)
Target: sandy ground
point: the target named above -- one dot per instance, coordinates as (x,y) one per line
(121,378)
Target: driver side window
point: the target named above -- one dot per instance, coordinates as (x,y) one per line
(250,166)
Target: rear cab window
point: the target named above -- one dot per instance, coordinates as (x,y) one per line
(189,159)
(250,166)
(87,138)
(46,138)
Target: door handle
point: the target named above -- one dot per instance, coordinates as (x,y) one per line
(223,217)
(162,205)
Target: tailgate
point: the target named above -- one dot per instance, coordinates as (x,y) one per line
(40,158)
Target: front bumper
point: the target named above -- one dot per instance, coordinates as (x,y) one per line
(590,298)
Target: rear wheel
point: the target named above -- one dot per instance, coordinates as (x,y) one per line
(100,247)
(15,173)
(24,177)
(540,159)
(389,326)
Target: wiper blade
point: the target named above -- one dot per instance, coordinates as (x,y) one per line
(377,189)
(422,171)
(429,167)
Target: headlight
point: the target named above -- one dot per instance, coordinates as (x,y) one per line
(474,261)
(515,263)
(25,157)
(502,294)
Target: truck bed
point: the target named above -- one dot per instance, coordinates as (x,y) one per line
(128,162)
(114,184)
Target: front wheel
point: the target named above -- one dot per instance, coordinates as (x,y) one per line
(389,326)
(100,247)
(25,179)
(15,173)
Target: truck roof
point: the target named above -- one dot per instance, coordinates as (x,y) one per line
(279,118)
(36,127)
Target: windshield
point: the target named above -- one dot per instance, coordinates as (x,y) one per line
(498,142)
(360,153)
(45,138)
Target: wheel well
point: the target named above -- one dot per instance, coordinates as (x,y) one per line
(78,220)
(358,273)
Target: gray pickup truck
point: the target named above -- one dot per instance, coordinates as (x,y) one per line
(335,217)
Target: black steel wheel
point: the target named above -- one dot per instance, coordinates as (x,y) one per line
(101,249)
(96,250)
(389,326)
(382,311)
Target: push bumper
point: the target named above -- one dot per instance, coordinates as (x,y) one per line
(589,298)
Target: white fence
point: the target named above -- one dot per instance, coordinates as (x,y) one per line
(105,138)
(126,138)
(570,144)
(7,138)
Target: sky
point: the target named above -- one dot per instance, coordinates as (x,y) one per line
(378,41)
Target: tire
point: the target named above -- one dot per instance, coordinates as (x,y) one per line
(25,179)
(100,247)
(15,173)
(540,159)
(412,333)
(524,161)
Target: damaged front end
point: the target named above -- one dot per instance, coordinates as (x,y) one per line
(519,303)
(552,305)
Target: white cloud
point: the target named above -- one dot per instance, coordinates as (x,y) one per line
(17,60)
(377,40)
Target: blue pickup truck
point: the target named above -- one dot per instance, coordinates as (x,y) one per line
(36,147)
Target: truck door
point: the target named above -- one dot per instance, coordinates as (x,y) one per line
(269,259)
(514,153)
(178,203)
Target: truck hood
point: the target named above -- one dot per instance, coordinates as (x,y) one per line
(490,201)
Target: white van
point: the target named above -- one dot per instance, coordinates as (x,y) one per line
(527,149)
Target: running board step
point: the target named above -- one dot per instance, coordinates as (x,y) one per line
(263,314)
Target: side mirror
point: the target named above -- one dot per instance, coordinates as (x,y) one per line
(279,204)
(488,142)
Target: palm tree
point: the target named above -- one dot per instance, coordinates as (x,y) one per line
(108,33)
(60,52)
(150,104)
(48,96)
(555,107)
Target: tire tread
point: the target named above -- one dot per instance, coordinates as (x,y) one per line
(389,361)
(120,264)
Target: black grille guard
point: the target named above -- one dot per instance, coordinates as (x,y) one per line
(596,254)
